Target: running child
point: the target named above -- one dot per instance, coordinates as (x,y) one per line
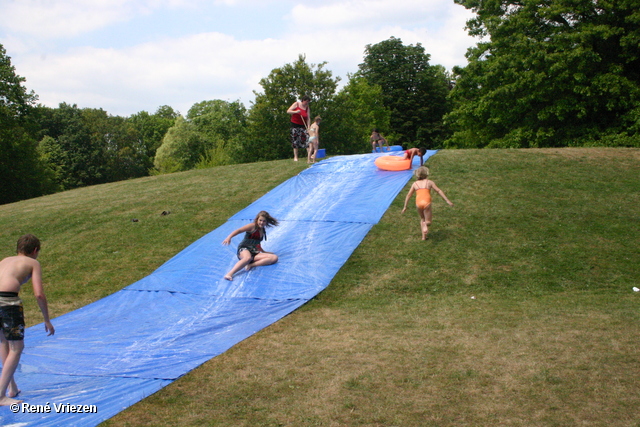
(250,253)
(422,187)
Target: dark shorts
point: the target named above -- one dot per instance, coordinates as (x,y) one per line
(253,250)
(12,322)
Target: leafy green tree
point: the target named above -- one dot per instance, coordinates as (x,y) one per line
(353,113)
(268,122)
(125,152)
(181,148)
(556,73)
(78,151)
(210,135)
(223,126)
(50,151)
(151,129)
(89,146)
(22,173)
(414,91)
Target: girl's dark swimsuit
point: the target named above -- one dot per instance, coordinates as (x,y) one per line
(251,242)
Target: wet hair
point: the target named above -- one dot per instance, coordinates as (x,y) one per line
(422,150)
(28,244)
(422,172)
(305,98)
(264,214)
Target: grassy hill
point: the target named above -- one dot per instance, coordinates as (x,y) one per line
(545,241)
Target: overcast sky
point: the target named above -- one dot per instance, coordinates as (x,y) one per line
(127,56)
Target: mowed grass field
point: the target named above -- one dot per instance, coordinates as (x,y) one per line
(517,311)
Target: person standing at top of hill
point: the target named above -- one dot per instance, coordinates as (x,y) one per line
(422,187)
(300,116)
(314,140)
(14,272)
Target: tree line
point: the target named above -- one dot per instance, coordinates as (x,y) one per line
(564,73)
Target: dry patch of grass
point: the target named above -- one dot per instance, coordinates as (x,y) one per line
(433,361)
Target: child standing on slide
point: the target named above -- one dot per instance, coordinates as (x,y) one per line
(422,187)
(14,272)
(250,253)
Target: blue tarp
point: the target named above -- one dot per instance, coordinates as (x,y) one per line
(122,348)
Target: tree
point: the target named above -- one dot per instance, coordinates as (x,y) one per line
(126,154)
(223,126)
(78,148)
(89,146)
(210,135)
(414,91)
(22,174)
(268,137)
(181,148)
(556,73)
(352,115)
(151,129)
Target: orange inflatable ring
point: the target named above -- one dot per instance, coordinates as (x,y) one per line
(393,163)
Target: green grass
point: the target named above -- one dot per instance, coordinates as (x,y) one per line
(545,240)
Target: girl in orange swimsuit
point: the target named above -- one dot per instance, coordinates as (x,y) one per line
(422,187)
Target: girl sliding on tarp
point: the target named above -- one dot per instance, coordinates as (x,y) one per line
(250,253)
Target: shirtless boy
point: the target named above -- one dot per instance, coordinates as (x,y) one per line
(14,272)
(412,152)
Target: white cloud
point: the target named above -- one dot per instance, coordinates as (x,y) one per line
(69,18)
(197,66)
(369,14)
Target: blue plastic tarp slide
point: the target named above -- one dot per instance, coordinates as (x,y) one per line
(118,350)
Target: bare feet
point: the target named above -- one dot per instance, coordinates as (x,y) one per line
(425,231)
(228,277)
(13,390)
(6,401)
